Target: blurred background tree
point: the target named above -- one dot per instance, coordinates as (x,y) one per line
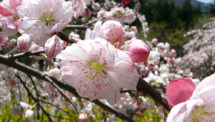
(169,20)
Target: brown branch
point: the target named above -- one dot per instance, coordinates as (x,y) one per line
(35,99)
(145,87)
(25,54)
(76,27)
(31,71)
(67,38)
(62,94)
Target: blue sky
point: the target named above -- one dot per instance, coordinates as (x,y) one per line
(206,1)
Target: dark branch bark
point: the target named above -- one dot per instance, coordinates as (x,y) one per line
(34,98)
(25,54)
(66,37)
(151,91)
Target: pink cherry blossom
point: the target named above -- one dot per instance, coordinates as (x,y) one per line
(53,46)
(179,91)
(112,31)
(97,69)
(9,17)
(41,19)
(138,51)
(23,42)
(83,117)
(200,107)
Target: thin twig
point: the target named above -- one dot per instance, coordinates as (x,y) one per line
(35,99)
(61,92)
(76,27)
(25,54)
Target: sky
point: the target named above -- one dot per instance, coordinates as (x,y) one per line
(206,1)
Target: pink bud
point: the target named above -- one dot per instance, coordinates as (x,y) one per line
(3,42)
(83,117)
(53,46)
(23,42)
(138,51)
(125,2)
(113,32)
(179,90)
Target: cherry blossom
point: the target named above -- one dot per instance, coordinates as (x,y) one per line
(100,68)
(110,30)
(138,51)
(9,18)
(23,42)
(41,19)
(53,46)
(200,107)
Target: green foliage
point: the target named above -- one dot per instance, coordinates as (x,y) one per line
(169,23)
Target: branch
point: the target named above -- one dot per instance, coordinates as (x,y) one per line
(67,38)
(76,27)
(62,94)
(145,87)
(25,54)
(35,99)
(31,71)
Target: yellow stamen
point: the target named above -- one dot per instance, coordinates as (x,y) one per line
(48,18)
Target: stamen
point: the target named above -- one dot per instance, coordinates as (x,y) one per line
(48,18)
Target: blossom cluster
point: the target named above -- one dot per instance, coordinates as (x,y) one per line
(163,65)
(98,67)
(103,62)
(200,50)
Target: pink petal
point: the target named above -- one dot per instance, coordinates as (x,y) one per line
(15,3)
(179,91)
(4,11)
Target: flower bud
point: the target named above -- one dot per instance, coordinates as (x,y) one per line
(53,46)
(25,105)
(125,2)
(23,42)
(138,51)
(29,114)
(3,42)
(113,32)
(83,117)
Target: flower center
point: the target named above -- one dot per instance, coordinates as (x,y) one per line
(16,17)
(98,67)
(199,114)
(47,17)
